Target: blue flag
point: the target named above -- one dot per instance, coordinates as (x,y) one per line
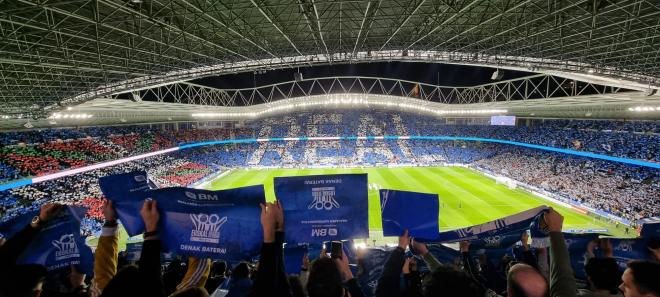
(58,244)
(324,207)
(577,247)
(497,241)
(650,230)
(293,258)
(444,254)
(127,192)
(373,260)
(417,212)
(627,249)
(211,224)
(512,224)
(14,225)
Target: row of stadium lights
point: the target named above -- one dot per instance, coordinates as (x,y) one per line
(644,108)
(346,101)
(70,116)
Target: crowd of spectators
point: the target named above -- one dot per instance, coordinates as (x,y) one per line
(621,190)
(626,191)
(83,189)
(410,269)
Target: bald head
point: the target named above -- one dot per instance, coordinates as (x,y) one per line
(525,281)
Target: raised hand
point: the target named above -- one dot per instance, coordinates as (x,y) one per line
(606,246)
(591,246)
(323,254)
(344,269)
(404,240)
(269,214)
(279,215)
(524,238)
(406,265)
(464,246)
(554,220)
(49,211)
(109,212)
(305,262)
(419,248)
(150,215)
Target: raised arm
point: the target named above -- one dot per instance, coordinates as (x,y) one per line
(528,255)
(562,280)
(149,264)
(14,246)
(268,281)
(105,258)
(420,249)
(388,283)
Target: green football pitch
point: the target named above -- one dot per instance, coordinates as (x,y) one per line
(466,197)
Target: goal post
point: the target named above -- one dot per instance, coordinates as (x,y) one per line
(503,180)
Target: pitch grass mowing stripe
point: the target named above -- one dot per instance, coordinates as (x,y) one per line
(466,197)
(455,200)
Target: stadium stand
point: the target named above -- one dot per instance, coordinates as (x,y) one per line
(622,190)
(627,191)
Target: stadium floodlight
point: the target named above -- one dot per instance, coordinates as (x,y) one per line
(58,115)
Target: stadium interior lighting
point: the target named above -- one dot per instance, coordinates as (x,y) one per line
(346,100)
(644,108)
(78,116)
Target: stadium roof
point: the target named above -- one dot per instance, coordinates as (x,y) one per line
(68,52)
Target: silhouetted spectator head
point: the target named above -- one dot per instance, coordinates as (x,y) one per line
(296,286)
(126,282)
(641,279)
(218,268)
(449,281)
(324,279)
(242,270)
(525,281)
(25,281)
(603,274)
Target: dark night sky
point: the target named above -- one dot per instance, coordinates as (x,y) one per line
(449,75)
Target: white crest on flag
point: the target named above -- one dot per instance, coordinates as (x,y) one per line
(493,241)
(323,198)
(207,227)
(66,247)
(140,178)
(624,246)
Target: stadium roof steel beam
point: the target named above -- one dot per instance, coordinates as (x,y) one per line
(540,86)
(405,20)
(122,46)
(270,20)
(225,26)
(305,8)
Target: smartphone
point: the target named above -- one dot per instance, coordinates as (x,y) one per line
(336,249)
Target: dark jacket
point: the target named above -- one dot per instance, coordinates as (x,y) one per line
(388,283)
(13,276)
(271,277)
(239,287)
